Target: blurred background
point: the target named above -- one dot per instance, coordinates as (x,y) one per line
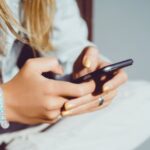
(121,29)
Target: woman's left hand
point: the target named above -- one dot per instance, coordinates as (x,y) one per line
(87,62)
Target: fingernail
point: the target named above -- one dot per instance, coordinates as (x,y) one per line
(87,63)
(65,113)
(107,87)
(68,106)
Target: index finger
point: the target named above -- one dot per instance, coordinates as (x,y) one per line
(120,78)
(68,89)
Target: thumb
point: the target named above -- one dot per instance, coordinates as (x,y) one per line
(86,62)
(90,60)
(46,64)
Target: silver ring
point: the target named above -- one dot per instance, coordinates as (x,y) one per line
(101,100)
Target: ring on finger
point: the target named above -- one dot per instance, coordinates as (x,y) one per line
(101,100)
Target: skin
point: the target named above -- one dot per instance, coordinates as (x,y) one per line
(31,98)
(90,102)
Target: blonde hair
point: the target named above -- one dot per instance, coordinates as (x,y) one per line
(37,22)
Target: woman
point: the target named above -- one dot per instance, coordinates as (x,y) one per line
(56,30)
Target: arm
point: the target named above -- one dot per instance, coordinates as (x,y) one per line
(69,35)
(29,97)
(73,49)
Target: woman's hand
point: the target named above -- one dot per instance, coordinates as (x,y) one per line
(90,61)
(31,98)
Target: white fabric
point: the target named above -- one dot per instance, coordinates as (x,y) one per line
(124,125)
(69,37)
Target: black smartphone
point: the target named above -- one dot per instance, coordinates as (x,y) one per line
(105,73)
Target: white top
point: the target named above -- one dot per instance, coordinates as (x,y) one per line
(69,38)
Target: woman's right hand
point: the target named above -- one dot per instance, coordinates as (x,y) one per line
(31,98)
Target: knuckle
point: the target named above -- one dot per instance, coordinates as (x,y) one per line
(53,104)
(62,102)
(48,87)
(52,115)
(26,71)
(49,105)
(80,91)
(93,86)
(29,63)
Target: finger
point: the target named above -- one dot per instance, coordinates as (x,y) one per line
(57,119)
(51,121)
(33,121)
(99,107)
(52,115)
(63,88)
(88,106)
(88,98)
(91,58)
(45,64)
(82,72)
(81,109)
(80,101)
(54,103)
(98,64)
(90,62)
(116,81)
(107,102)
(102,64)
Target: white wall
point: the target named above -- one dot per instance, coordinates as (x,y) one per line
(122,30)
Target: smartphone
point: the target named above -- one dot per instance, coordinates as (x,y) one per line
(105,73)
